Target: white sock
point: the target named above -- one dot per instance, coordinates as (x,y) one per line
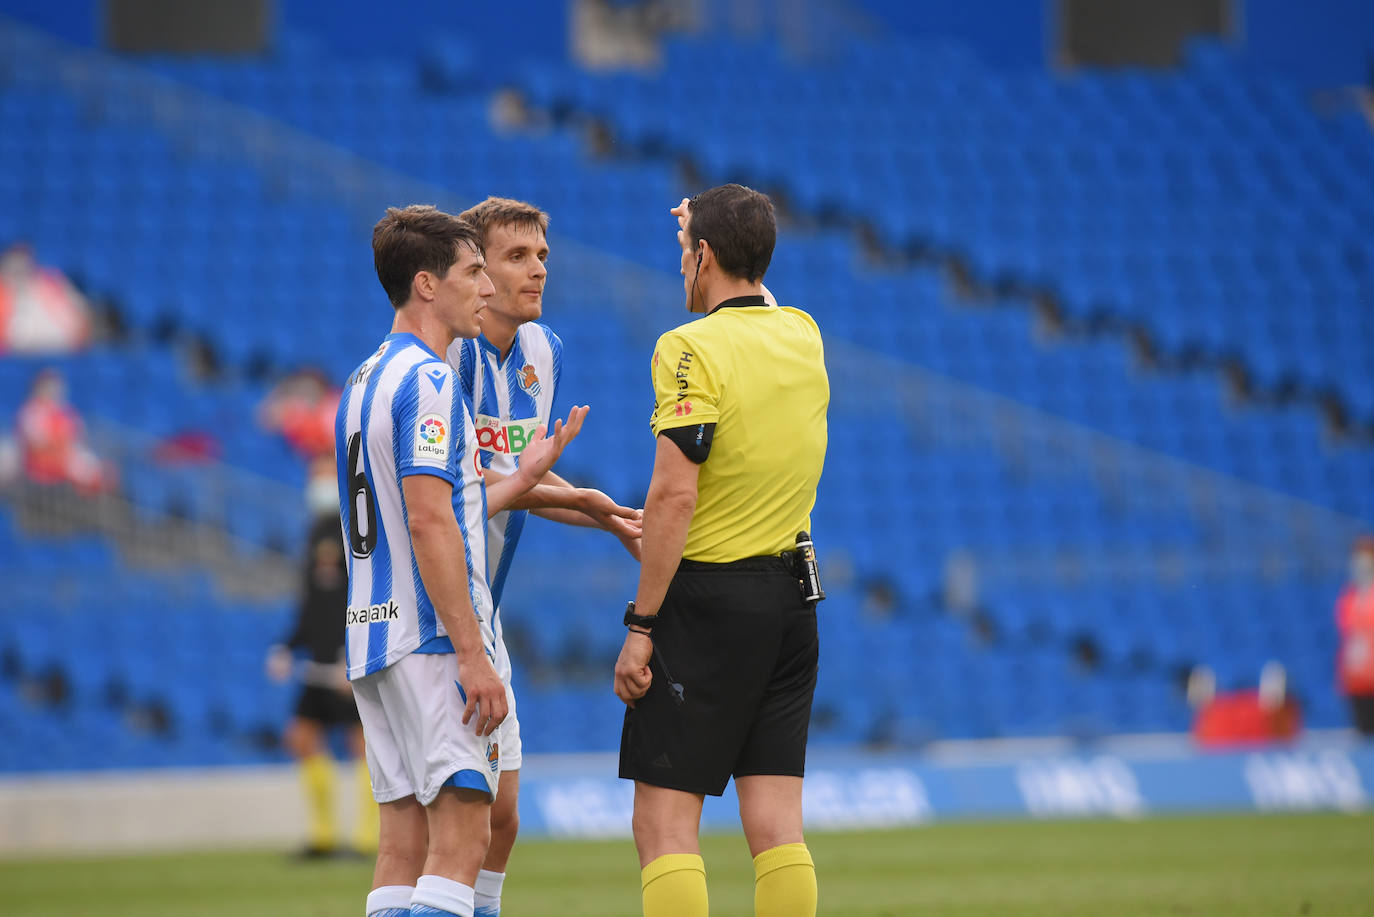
(488,893)
(446,896)
(381,902)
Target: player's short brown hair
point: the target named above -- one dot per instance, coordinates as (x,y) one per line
(408,240)
(504,211)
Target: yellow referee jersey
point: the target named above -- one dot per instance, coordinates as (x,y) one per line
(758,373)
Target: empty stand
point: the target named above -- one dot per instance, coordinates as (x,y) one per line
(1123,522)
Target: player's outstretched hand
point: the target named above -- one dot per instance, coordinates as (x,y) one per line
(484,692)
(635,545)
(542,451)
(632,675)
(623,522)
(610,515)
(630,532)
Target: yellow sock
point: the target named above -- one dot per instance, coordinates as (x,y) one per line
(785,882)
(365,827)
(675,886)
(317,773)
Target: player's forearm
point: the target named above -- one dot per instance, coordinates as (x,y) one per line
(554,480)
(437,543)
(516,492)
(506,491)
(544,496)
(667,518)
(565,516)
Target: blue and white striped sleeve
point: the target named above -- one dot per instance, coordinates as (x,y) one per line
(423,430)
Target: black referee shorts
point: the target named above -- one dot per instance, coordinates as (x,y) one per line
(326,706)
(734,675)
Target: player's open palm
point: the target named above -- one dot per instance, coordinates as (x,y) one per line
(485,694)
(542,451)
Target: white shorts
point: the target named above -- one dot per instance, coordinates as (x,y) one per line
(508,733)
(412,716)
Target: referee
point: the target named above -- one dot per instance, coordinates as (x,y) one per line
(719,665)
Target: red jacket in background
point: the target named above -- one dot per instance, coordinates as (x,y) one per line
(50,435)
(1240,719)
(1355,621)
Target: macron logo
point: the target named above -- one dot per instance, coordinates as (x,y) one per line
(436,378)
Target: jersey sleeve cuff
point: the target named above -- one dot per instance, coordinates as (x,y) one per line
(696,418)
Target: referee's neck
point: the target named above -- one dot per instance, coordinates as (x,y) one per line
(731,288)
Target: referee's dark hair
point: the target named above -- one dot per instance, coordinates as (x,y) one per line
(739,224)
(417,238)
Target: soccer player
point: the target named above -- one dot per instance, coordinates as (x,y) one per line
(510,375)
(718,670)
(418,638)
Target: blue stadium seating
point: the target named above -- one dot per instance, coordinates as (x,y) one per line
(1209,207)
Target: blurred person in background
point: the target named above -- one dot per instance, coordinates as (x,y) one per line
(301,407)
(510,375)
(40,310)
(326,700)
(9,460)
(1355,622)
(52,440)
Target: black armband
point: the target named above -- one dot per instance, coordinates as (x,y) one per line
(695,442)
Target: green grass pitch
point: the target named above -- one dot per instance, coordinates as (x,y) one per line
(1251,865)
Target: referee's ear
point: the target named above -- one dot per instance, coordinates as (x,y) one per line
(705,255)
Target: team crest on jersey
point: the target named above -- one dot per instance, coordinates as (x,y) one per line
(431,440)
(528,379)
(493,757)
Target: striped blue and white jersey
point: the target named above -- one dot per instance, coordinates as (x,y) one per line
(509,398)
(402,413)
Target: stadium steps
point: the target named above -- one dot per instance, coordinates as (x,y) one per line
(832,185)
(967,692)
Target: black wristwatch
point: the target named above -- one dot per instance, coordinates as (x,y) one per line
(647,622)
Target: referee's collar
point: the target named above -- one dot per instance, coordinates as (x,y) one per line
(740,301)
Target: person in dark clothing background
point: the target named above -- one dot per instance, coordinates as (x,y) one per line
(314,655)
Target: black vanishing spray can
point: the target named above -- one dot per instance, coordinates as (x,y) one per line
(808,572)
